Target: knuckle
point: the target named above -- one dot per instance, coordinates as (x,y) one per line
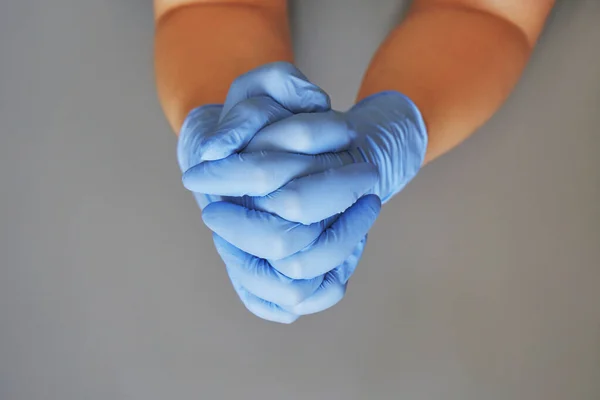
(279,248)
(278,72)
(295,270)
(294,295)
(291,205)
(282,65)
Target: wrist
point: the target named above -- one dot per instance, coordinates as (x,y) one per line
(237,39)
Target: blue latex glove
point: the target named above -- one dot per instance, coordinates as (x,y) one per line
(385,130)
(263,96)
(335,252)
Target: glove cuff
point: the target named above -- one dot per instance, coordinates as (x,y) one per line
(395,138)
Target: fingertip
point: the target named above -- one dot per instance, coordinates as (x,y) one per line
(220,243)
(188,179)
(312,97)
(265,310)
(284,68)
(215,148)
(372,201)
(316,99)
(322,101)
(228,252)
(326,297)
(185,179)
(208,178)
(210,215)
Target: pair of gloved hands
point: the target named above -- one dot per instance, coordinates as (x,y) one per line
(290,188)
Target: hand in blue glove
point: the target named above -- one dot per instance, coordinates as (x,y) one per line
(263,96)
(332,246)
(385,130)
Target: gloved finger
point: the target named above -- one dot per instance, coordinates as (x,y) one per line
(259,233)
(239,126)
(318,196)
(264,309)
(261,124)
(335,244)
(333,287)
(257,174)
(329,294)
(281,81)
(199,123)
(257,277)
(313,133)
(287,88)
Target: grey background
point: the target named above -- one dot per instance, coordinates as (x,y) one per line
(480,280)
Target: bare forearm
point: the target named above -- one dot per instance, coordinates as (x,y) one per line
(458,64)
(200,48)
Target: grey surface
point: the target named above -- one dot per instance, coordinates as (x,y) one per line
(480,280)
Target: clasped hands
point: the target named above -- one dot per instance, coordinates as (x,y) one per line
(290,187)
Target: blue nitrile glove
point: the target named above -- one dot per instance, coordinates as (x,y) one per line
(274,296)
(386,130)
(262,96)
(265,291)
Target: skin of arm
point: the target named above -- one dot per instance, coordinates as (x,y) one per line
(458,60)
(201,46)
